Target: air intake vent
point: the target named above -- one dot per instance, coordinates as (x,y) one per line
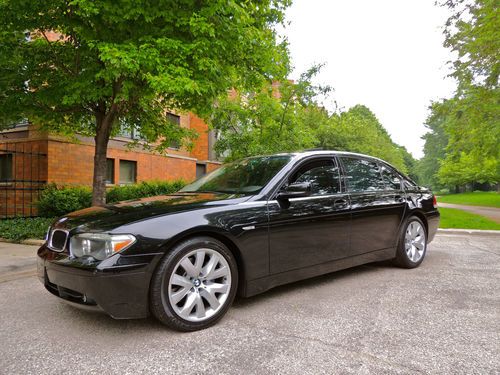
(58,240)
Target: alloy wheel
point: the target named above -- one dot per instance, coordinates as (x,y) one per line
(415,241)
(199,285)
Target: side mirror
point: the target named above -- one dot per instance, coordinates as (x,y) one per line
(295,190)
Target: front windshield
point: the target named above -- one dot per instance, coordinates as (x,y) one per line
(247,176)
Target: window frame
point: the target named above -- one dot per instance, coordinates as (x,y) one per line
(393,170)
(10,178)
(204,165)
(285,181)
(177,121)
(344,173)
(112,181)
(120,182)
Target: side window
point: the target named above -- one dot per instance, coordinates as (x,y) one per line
(362,175)
(323,175)
(391,179)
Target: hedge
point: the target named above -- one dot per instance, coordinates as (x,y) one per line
(57,201)
(24,228)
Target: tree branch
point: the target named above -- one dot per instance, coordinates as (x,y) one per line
(55,54)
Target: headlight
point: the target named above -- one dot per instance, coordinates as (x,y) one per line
(99,245)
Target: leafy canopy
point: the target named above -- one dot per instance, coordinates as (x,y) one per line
(289,116)
(467,126)
(68,65)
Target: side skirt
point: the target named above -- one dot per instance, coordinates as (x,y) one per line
(254,287)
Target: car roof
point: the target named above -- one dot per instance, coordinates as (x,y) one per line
(308,153)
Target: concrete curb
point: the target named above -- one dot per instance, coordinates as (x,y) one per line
(25,242)
(468,231)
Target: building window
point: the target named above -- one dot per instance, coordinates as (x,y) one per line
(110,171)
(128,171)
(174,119)
(6,167)
(201,170)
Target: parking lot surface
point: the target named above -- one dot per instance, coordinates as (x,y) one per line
(441,318)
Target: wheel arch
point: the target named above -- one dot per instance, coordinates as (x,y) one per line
(219,235)
(422,217)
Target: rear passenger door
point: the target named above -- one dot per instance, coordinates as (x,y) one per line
(377,204)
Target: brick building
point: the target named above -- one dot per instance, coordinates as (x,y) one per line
(29,159)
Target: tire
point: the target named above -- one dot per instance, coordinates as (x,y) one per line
(194,284)
(412,244)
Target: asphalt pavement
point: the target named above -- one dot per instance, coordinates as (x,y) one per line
(441,318)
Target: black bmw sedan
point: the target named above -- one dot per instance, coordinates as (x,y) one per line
(245,228)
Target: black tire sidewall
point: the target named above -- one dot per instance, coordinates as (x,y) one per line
(160,304)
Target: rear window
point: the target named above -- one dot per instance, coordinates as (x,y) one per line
(362,175)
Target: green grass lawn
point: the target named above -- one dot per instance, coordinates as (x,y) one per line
(479,198)
(454,218)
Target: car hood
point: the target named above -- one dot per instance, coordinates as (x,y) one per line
(126,212)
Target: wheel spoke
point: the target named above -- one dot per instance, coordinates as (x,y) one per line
(210,267)
(210,297)
(180,294)
(188,305)
(189,267)
(219,272)
(200,307)
(217,288)
(200,258)
(419,244)
(181,281)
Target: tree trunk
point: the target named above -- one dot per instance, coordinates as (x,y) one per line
(104,125)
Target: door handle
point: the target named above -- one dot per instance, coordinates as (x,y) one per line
(340,203)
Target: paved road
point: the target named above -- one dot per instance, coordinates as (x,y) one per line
(491,213)
(441,318)
(16,261)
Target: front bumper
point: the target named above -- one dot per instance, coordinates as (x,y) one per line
(120,291)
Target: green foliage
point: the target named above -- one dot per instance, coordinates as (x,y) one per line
(133,58)
(436,141)
(358,130)
(472,32)
(289,117)
(464,144)
(473,127)
(273,118)
(453,218)
(119,62)
(143,189)
(477,198)
(19,229)
(57,201)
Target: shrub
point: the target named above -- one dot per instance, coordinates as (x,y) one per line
(142,190)
(57,201)
(19,229)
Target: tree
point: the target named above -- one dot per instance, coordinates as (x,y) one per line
(277,117)
(472,118)
(436,141)
(86,67)
(358,130)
